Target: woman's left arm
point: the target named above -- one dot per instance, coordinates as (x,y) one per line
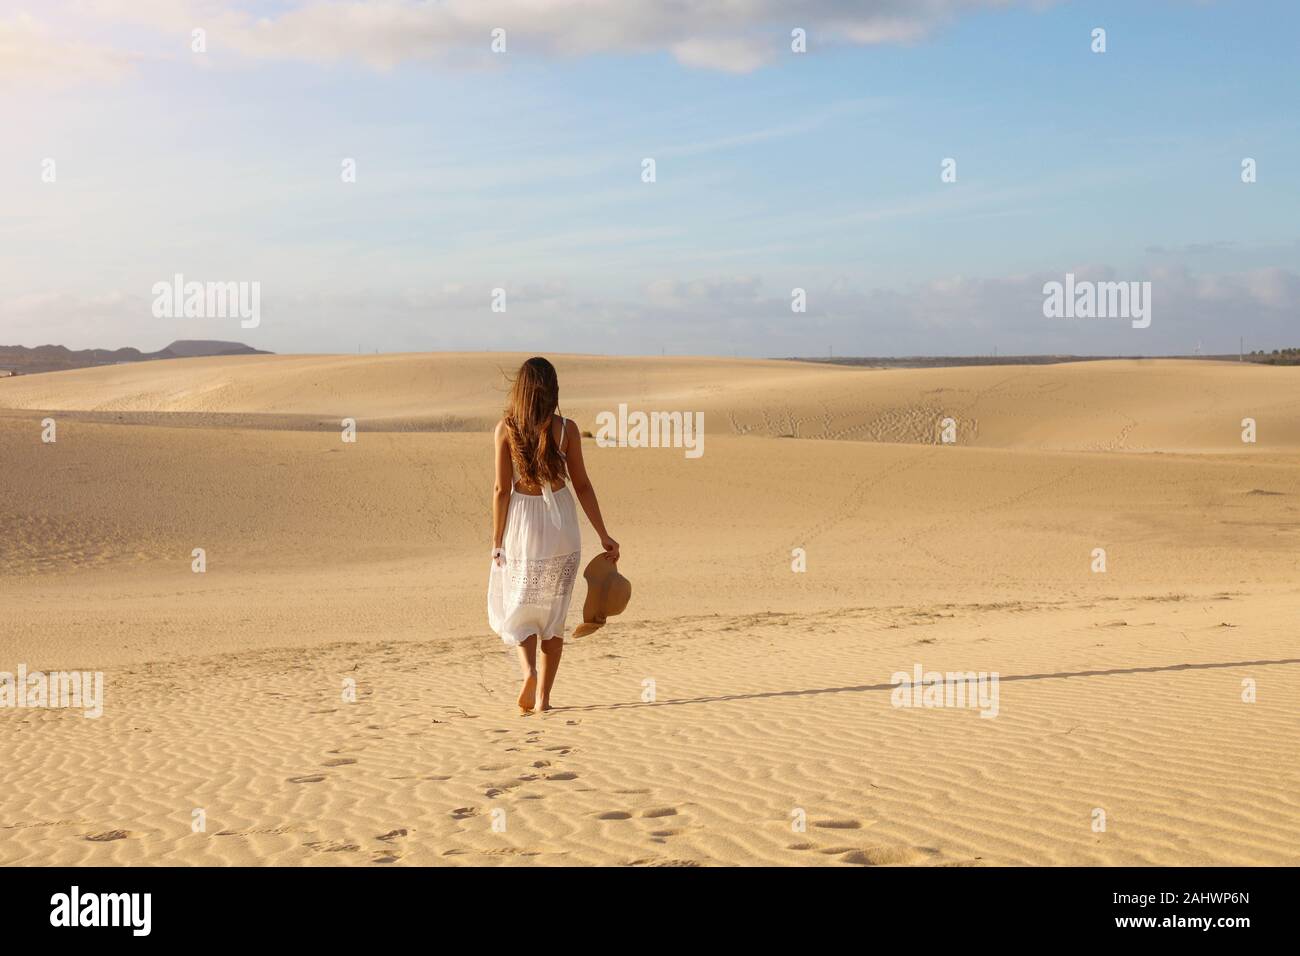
(585,493)
(502,486)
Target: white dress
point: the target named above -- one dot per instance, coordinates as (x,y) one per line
(542,544)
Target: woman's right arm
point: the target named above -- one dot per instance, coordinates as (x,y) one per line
(586,494)
(503,484)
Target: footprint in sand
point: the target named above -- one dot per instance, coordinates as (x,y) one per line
(392,834)
(655,812)
(332,846)
(882,856)
(108,835)
(461,813)
(339,762)
(614,815)
(275,831)
(653,861)
(838,824)
(564,775)
(310,778)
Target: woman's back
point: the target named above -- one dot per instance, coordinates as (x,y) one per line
(559,432)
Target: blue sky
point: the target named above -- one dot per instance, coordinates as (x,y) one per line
(775,170)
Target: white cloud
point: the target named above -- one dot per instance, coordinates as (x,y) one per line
(739,36)
(954,315)
(31,51)
(731,54)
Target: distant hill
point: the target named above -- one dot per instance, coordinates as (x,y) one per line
(20,360)
(193,348)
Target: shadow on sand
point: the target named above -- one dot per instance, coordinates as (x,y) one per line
(860,688)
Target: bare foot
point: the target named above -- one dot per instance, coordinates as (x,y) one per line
(543,707)
(528,695)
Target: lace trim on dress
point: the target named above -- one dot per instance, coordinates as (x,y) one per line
(539,580)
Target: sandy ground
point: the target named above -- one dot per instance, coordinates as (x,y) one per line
(735,698)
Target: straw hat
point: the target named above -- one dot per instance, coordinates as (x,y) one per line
(607,594)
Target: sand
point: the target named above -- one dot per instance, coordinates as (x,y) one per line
(772,694)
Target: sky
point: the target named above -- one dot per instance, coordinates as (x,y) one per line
(129,157)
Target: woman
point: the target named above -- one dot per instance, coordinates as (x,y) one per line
(535,537)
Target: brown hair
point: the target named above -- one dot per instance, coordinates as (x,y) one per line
(534,397)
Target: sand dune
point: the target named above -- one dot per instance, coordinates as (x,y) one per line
(330,561)
(1158,405)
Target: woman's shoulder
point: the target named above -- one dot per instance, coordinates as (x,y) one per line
(500,431)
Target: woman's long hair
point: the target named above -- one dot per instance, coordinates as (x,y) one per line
(534,397)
